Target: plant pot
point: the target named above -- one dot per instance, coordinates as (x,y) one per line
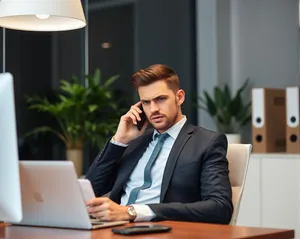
(76,156)
(233,138)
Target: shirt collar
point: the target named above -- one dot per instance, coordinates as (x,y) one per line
(174,130)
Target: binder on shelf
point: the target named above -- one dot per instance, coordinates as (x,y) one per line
(292,120)
(268,120)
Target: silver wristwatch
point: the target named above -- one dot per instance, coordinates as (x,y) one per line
(131,212)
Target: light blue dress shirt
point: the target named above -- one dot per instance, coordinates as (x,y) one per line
(136,179)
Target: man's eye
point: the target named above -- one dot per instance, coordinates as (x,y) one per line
(145,102)
(161,98)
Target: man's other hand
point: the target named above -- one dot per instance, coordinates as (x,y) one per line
(105,209)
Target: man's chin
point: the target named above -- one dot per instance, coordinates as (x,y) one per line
(161,127)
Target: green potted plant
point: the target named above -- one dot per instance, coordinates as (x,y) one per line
(229,111)
(84,114)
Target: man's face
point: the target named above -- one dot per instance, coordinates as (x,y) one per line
(161,104)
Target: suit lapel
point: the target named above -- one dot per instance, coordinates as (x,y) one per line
(179,143)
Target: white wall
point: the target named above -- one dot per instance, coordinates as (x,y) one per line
(241,39)
(264,37)
(206,52)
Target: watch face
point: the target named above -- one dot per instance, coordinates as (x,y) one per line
(131,211)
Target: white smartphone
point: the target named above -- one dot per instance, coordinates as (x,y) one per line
(86,188)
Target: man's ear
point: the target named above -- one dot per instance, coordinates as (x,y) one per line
(180,97)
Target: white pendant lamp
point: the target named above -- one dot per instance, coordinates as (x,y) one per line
(42,15)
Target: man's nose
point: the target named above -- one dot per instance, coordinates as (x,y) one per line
(153,107)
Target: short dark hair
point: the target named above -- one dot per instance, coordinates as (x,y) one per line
(155,73)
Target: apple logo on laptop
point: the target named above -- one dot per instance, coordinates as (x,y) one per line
(38,197)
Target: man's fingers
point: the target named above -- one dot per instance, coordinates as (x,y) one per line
(136,114)
(133,117)
(102,213)
(136,111)
(108,210)
(138,104)
(97,201)
(98,208)
(136,108)
(93,209)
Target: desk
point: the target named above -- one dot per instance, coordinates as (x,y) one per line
(180,230)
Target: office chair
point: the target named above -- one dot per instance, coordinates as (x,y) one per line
(238,156)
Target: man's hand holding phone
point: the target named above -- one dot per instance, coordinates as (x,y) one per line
(131,125)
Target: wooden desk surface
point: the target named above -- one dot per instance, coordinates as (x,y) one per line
(180,230)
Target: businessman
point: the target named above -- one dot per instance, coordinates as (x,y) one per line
(175,171)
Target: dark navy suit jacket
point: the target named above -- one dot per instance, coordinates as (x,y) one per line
(195,184)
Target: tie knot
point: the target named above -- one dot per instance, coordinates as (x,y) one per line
(162,137)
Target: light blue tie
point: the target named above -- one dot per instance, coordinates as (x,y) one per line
(147,173)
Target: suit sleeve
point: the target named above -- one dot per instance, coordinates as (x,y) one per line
(103,170)
(215,205)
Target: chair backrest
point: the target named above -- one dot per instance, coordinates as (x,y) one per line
(238,156)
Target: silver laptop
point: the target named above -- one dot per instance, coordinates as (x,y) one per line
(52,197)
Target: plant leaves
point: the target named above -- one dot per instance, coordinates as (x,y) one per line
(110,80)
(44,129)
(96,79)
(84,114)
(219,98)
(228,110)
(92,108)
(211,106)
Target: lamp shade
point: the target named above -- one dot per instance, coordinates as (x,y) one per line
(42,15)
